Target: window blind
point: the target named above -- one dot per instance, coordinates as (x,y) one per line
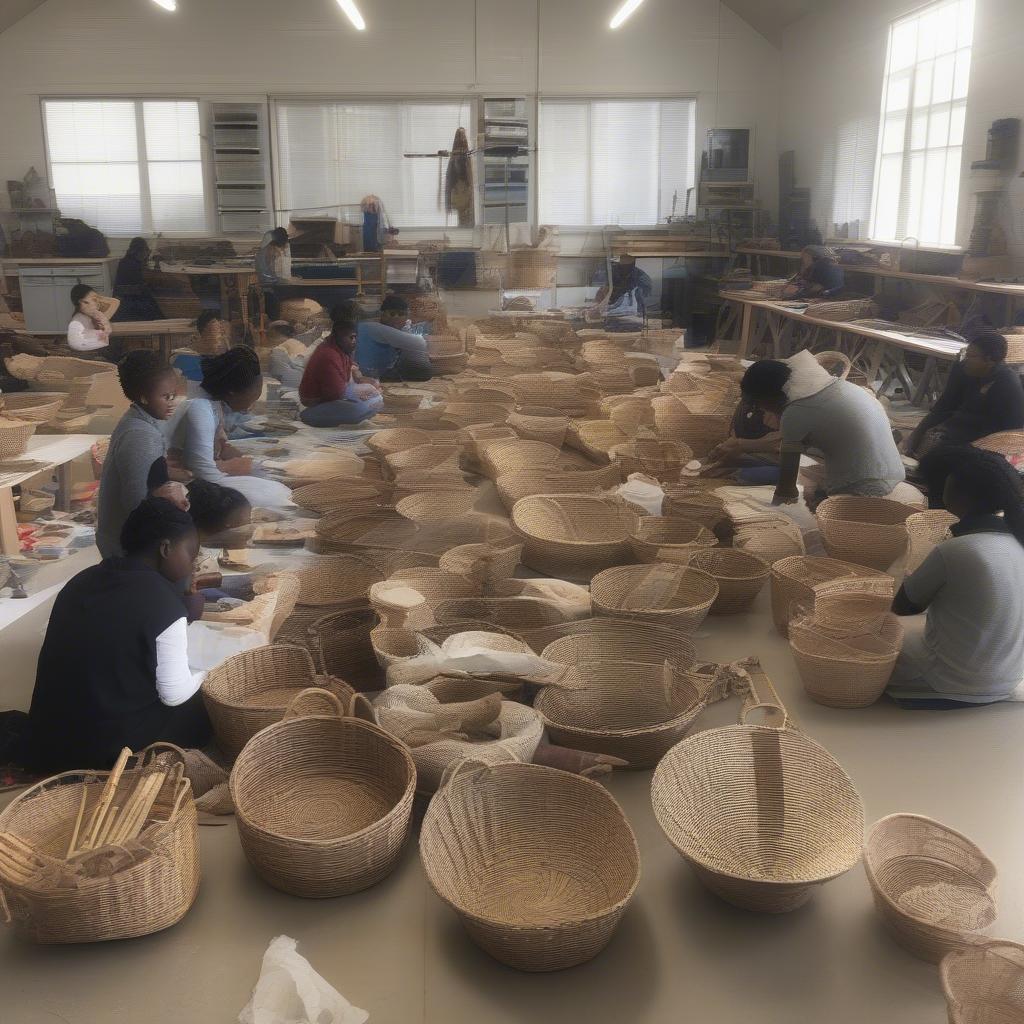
(334,153)
(127,166)
(924,103)
(614,161)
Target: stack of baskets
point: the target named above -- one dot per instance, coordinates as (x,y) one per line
(32,406)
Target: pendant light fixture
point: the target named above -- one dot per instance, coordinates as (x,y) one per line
(167,5)
(624,12)
(352,13)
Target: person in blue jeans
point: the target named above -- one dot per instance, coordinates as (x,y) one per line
(388,350)
(333,390)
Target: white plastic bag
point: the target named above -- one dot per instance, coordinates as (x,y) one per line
(210,643)
(643,491)
(289,991)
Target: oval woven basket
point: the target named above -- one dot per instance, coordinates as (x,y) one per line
(437,506)
(152,892)
(620,640)
(538,864)
(423,456)
(739,575)
(661,592)
(342,644)
(519,615)
(668,539)
(337,531)
(512,487)
(490,392)
(700,433)
(337,579)
(538,423)
(985,984)
(595,438)
(862,530)
(661,459)
(468,414)
(925,531)
(399,439)
(841,615)
(14,437)
(684,502)
(573,536)
(516,456)
(342,492)
(323,804)
(32,406)
(762,815)
(932,887)
(1008,443)
(487,563)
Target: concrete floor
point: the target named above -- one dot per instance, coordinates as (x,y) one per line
(680,954)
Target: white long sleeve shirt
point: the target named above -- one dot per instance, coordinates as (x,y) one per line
(83,335)
(174,680)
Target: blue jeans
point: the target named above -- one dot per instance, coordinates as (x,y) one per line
(341,411)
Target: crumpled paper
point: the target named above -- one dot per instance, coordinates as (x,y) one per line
(289,991)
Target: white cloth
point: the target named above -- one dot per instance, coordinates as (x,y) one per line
(174,680)
(806,376)
(83,335)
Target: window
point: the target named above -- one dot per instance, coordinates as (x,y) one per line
(614,161)
(920,141)
(127,167)
(333,154)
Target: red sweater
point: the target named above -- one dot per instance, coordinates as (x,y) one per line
(326,375)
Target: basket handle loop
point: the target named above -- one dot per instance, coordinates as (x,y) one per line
(762,697)
(463,766)
(360,707)
(314,700)
(6,917)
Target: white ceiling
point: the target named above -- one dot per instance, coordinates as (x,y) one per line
(14,10)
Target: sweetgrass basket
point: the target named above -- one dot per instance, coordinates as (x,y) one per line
(984,984)
(864,530)
(668,539)
(740,577)
(662,592)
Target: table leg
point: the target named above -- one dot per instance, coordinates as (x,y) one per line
(921,391)
(8,524)
(63,497)
(748,313)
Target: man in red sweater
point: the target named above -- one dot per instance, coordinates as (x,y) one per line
(332,391)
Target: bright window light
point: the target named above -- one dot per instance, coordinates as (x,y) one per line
(623,12)
(352,12)
(167,5)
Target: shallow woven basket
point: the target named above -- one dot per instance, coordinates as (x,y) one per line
(487,563)
(661,459)
(341,644)
(32,504)
(539,864)
(436,506)
(337,579)
(674,594)
(762,815)
(536,423)
(513,486)
(143,898)
(423,456)
(323,804)
(595,438)
(619,640)
(925,531)
(468,414)
(739,575)
(516,456)
(338,531)
(14,437)
(1008,443)
(249,691)
(668,539)
(933,888)
(398,439)
(799,579)
(341,492)
(848,309)
(770,287)
(985,984)
(864,531)
(32,406)
(573,536)
(699,432)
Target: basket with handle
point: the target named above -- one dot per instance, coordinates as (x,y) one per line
(14,437)
(32,406)
(925,531)
(837,363)
(322,801)
(661,592)
(740,577)
(669,539)
(933,888)
(539,864)
(984,983)
(864,530)
(524,483)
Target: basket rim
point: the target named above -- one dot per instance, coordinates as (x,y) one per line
(704,578)
(983,948)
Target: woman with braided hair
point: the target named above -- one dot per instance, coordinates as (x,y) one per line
(232,383)
(965,643)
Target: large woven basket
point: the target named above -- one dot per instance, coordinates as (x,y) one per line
(323,803)
(516,456)
(1008,443)
(486,563)
(686,502)
(864,531)
(14,437)
(468,414)
(933,888)
(739,575)
(32,406)
(249,691)
(398,439)
(519,615)
(538,423)
(620,640)
(648,455)
(539,864)
(337,579)
(799,579)
(339,530)
(512,487)
(436,506)
(340,642)
(342,492)
(762,815)
(985,983)
(699,432)
(595,438)
(423,456)
(573,536)
(844,310)
(668,539)
(662,592)
(153,891)
(925,531)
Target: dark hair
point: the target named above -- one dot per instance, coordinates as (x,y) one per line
(345,310)
(206,317)
(79,292)
(231,372)
(151,522)
(279,236)
(139,370)
(991,345)
(344,327)
(765,380)
(395,304)
(210,504)
(136,247)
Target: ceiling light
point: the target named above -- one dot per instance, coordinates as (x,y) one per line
(352,12)
(624,12)
(167,5)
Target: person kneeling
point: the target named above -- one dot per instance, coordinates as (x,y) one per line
(333,392)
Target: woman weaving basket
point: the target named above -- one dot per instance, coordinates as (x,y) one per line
(820,276)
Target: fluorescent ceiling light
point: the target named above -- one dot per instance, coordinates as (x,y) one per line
(623,12)
(352,12)
(167,5)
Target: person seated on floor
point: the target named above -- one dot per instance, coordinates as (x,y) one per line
(333,390)
(130,286)
(274,268)
(213,334)
(963,642)
(232,383)
(982,396)
(750,455)
(389,350)
(113,671)
(291,350)
(215,510)
(138,439)
(630,290)
(839,420)
(820,276)
(89,328)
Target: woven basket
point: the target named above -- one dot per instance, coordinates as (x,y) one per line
(1008,443)
(323,804)
(620,640)
(739,575)
(685,502)
(595,438)
(770,287)
(537,423)
(337,531)
(249,691)
(797,581)
(837,363)
(539,864)
(448,365)
(398,439)
(423,457)
(864,531)
(662,592)
(761,814)
(437,506)
(631,415)
(516,456)
(342,492)
(518,615)
(467,414)
(985,984)
(664,539)
(572,394)
(488,392)
(933,888)
(486,563)
(32,406)
(153,893)
(652,457)
(514,486)
(341,642)
(925,531)
(770,542)
(848,309)
(700,433)
(531,268)
(32,504)
(337,579)
(573,536)
(14,437)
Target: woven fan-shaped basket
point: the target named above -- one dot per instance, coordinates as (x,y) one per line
(662,592)
(342,492)
(669,539)
(398,439)
(32,406)
(573,536)
(423,457)
(595,438)
(739,575)
(762,815)
(985,983)
(653,457)
(513,486)
(437,506)
(925,531)
(341,642)
(516,456)
(539,864)
(14,437)
(487,563)
(323,804)
(862,530)
(799,579)
(538,423)
(932,887)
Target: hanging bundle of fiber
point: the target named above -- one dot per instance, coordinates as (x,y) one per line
(458,184)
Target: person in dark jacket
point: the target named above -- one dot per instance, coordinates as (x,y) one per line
(137,301)
(820,276)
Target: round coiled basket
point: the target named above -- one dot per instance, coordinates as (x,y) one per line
(863,530)
(673,594)
(740,577)
(669,539)
(985,983)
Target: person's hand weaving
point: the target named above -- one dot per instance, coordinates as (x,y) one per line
(175,492)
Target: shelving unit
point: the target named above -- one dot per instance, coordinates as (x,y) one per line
(240,163)
(504,141)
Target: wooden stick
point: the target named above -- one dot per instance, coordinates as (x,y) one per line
(135,825)
(105,799)
(129,807)
(78,821)
(141,801)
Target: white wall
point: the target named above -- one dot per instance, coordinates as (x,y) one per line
(255,48)
(831,90)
